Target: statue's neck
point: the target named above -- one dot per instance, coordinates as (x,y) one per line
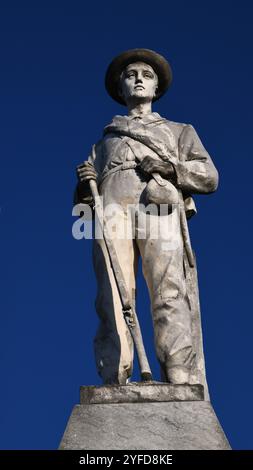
(140,109)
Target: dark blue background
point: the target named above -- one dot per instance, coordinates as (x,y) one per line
(53,107)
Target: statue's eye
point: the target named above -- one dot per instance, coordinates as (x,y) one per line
(148,75)
(130,74)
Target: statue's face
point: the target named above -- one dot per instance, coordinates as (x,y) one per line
(138,83)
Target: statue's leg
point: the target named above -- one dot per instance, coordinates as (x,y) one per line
(163,269)
(113,342)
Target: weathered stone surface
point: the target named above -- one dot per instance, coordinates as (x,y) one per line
(198,371)
(188,425)
(141,392)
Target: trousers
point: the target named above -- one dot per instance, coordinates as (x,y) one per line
(155,238)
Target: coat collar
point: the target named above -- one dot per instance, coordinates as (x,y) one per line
(146,119)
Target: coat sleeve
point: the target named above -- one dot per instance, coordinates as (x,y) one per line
(194,169)
(82,192)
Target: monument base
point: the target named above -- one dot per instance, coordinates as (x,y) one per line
(144,416)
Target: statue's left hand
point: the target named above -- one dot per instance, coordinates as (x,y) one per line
(151,165)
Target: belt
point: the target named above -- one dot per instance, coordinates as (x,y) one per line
(123,166)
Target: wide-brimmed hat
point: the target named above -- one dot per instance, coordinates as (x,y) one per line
(159,64)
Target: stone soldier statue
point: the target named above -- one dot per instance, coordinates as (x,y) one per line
(144,158)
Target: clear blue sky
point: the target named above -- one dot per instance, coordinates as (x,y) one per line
(53,107)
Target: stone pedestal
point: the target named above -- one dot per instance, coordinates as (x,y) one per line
(144,416)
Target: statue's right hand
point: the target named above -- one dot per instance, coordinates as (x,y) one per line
(86,172)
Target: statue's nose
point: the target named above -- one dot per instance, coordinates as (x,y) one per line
(138,79)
